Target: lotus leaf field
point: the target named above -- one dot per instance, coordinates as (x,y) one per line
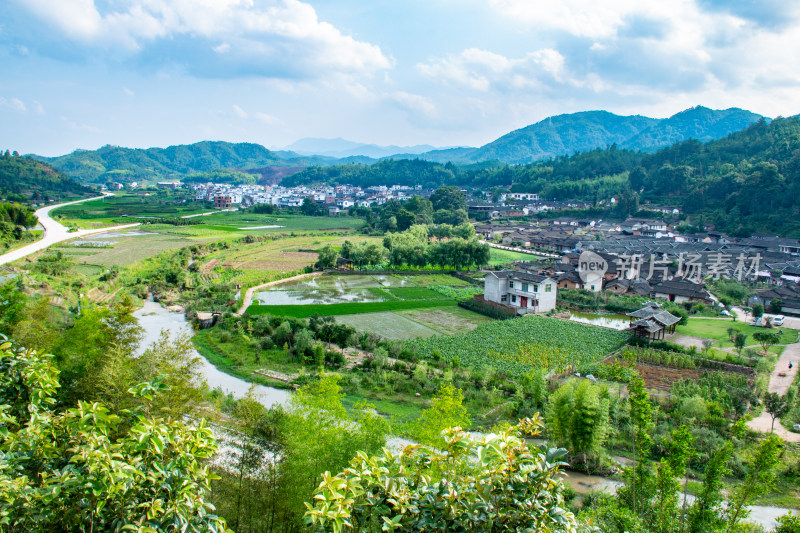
(522,344)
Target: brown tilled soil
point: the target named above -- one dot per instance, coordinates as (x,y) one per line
(662,378)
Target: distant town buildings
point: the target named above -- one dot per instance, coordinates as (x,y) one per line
(336,199)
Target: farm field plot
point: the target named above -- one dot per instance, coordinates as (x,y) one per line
(501,257)
(447,321)
(280,255)
(522,344)
(239,220)
(119,208)
(389,325)
(346,294)
(124,249)
(416,323)
(358,308)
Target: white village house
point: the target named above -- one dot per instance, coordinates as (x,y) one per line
(528,293)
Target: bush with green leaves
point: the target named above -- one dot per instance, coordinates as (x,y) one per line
(493,483)
(86,469)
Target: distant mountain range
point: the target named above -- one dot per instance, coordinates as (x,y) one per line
(551,137)
(116,163)
(580,132)
(341,148)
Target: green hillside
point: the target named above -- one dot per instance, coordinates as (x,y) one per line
(115,163)
(589,130)
(25,180)
(563,134)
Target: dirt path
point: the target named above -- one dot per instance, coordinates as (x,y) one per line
(248,295)
(779,382)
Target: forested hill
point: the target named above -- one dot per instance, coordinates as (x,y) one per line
(746,182)
(115,163)
(24,180)
(589,130)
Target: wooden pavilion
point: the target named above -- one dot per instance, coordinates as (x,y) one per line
(652,323)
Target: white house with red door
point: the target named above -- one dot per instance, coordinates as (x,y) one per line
(528,293)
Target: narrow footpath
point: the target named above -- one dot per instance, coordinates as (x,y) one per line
(248,295)
(779,382)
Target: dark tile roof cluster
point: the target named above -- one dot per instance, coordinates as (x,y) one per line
(681,287)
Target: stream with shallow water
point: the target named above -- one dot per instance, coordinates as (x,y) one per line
(154,319)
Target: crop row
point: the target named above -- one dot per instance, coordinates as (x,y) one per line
(519,345)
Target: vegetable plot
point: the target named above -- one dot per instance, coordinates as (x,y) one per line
(519,345)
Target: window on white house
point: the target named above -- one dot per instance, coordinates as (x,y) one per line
(547,287)
(513,298)
(504,298)
(524,287)
(511,284)
(535,288)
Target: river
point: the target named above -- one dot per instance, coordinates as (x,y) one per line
(154,318)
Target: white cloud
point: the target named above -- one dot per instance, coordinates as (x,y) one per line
(481,70)
(412,102)
(128,92)
(14,103)
(266,118)
(239,112)
(38,108)
(283,38)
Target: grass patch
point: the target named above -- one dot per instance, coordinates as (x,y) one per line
(237,357)
(718,330)
(413,293)
(498,256)
(305,311)
(446,320)
(388,324)
(397,408)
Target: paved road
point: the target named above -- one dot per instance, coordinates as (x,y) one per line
(55,232)
(780,384)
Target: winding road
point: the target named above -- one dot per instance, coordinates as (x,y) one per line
(55,232)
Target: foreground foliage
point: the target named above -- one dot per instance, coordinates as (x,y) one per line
(90,470)
(496,483)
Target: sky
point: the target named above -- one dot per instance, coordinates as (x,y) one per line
(80,74)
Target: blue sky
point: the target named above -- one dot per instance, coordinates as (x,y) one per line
(84,73)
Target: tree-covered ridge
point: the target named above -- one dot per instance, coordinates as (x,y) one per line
(115,163)
(24,180)
(588,130)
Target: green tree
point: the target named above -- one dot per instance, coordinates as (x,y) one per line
(758,310)
(760,479)
(578,419)
(446,411)
(766,339)
(87,469)
(327,257)
(740,340)
(448,198)
(641,412)
(777,406)
(320,435)
(706,513)
(495,483)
